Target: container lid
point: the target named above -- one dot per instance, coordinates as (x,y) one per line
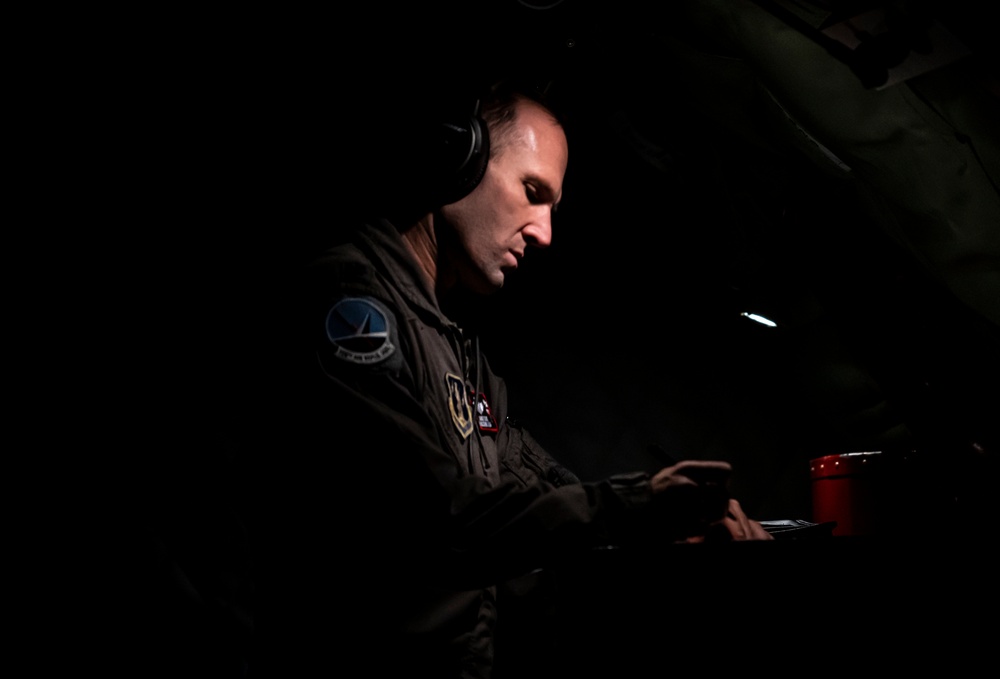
(843,464)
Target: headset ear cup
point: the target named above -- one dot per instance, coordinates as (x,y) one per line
(435,160)
(465,157)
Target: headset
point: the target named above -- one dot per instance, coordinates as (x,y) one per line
(459,155)
(436,157)
(462,147)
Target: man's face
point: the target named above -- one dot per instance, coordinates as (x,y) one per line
(511,208)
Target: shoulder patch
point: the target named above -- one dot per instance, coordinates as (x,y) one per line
(360,330)
(458,404)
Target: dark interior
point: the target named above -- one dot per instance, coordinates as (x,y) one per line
(701,186)
(725,158)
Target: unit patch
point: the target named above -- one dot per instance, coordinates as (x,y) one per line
(458,404)
(359,329)
(484,415)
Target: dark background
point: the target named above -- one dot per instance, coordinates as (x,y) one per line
(216,150)
(684,206)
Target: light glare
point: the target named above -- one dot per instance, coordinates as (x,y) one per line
(760,319)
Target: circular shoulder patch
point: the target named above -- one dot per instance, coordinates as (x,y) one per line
(360,330)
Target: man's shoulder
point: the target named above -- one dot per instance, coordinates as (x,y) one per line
(344,259)
(344,278)
(343,267)
(341,254)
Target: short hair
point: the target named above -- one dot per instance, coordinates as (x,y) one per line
(498,109)
(409,189)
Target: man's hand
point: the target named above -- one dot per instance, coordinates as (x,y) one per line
(741,527)
(692,472)
(695,503)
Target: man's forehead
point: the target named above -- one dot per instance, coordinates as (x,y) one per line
(537,128)
(532,112)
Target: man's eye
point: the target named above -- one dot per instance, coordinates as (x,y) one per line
(532,193)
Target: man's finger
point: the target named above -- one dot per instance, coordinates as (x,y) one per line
(704,471)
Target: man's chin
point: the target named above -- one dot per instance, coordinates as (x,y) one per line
(484,288)
(492,283)
(501,279)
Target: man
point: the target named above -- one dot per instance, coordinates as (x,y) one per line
(402,491)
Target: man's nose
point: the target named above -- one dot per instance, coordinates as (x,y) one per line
(539,232)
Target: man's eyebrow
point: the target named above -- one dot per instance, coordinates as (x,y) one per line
(546,187)
(551,194)
(555,200)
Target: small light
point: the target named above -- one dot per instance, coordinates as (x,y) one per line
(760,319)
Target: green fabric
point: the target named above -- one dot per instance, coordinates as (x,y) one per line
(924,153)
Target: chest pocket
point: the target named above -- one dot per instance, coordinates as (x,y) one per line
(515,456)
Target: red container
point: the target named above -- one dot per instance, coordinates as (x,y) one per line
(849,488)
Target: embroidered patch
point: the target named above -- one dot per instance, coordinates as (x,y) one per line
(358,328)
(484,415)
(458,404)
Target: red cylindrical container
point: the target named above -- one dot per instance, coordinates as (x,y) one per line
(848,488)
